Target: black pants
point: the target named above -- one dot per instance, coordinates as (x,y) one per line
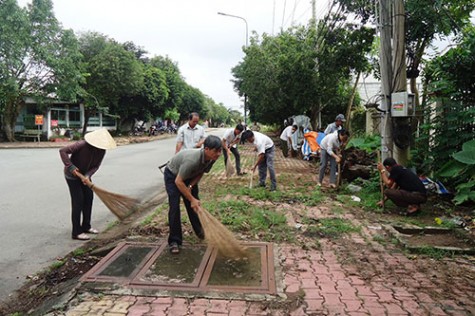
(236,156)
(174,216)
(81,204)
(404,198)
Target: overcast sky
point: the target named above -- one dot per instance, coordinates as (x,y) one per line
(204,44)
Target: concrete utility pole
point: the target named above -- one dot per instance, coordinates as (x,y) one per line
(400,79)
(384,26)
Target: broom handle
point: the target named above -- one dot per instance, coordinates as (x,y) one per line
(84,179)
(381,179)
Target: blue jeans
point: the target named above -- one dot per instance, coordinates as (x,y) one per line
(268,163)
(174,216)
(324,158)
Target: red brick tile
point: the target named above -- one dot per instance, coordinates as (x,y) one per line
(292,288)
(394,309)
(313,294)
(163,300)
(352,305)
(331,299)
(337,309)
(217,306)
(309,284)
(256,309)
(298,312)
(363,290)
(200,302)
(313,305)
(198,310)
(373,310)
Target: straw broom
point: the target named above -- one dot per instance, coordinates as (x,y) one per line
(121,205)
(218,236)
(381,184)
(229,167)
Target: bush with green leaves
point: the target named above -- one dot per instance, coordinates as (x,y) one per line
(368,143)
(461,170)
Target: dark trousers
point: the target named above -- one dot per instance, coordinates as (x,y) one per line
(268,163)
(405,198)
(174,216)
(81,204)
(236,156)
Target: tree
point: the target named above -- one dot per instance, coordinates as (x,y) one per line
(38,59)
(302,71)
(113,74)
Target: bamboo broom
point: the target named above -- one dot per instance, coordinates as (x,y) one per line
(229,167)
(218,236)
(121,205)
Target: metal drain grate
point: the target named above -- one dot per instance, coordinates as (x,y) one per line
(196,268)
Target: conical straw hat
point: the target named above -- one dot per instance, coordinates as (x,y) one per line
(101,139)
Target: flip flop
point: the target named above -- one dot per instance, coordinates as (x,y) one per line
(174,249)
(82,237)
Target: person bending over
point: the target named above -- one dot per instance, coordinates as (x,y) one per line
(182,175)
(405,188)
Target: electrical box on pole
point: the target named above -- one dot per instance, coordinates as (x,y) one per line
(402,104)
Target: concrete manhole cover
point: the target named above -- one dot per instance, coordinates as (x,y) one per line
(196,268)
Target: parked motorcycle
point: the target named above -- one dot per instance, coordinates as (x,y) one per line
(156,129)
(139,129)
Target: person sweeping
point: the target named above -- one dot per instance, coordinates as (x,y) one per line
(182,175)
(84,157)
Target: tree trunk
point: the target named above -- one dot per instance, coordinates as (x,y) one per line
(10,115)
(350,102)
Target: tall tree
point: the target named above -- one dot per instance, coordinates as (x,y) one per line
(113,74)
(37,58)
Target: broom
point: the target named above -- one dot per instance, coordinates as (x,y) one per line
(381,184)
(229,167)
(122,206)
(218,236)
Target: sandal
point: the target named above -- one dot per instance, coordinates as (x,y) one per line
(174,249)
(82,237)
(92,231)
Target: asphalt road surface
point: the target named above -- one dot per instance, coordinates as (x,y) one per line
(35,225)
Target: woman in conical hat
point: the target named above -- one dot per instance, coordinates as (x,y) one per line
(85,157)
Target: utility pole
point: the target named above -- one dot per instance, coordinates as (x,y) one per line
(384,26)
(401,124)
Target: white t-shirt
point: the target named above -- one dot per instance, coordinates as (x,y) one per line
(286,133)
(229,136)
(262,142)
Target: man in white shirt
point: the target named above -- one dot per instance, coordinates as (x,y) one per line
(286,140)
(329,146)
(190,135)
(230,139)
(266,151)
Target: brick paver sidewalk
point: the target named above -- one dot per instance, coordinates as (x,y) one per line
(331,280)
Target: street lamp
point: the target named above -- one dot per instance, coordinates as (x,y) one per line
(245,96)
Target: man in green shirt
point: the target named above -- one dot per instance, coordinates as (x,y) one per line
(182,175)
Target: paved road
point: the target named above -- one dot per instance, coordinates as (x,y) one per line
(35,225)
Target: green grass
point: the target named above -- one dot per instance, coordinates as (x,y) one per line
(241,216)
(112,224)
(433,253)
(78,252)
(57,264)
(147,220)
(331,228)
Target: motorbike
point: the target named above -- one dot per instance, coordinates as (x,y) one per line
(156,129)
(171,129)
(139,129)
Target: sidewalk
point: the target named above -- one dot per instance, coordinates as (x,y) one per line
(356,275)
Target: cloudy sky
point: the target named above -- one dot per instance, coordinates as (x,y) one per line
(204,44)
